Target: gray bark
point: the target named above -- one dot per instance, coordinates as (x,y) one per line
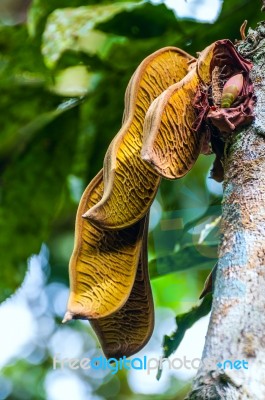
(237,325)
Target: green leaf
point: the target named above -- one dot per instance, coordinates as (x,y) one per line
(40,9)
(33,186)
(75,81)
(195,244)
(186,257)
(38,130)
(212,213)
(145,22)
(26,111)
(20,60)
(74,28)
(184,322)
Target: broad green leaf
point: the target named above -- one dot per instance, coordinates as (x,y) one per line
(33,184)
(26,105)
(126,177)
(75,81)
(184,322)
(189,192)
(145,22)
(22,84)
(212,213)
(74,28)
(195,243)
(200,256)
(27,117)
(209,227)
(40,9)
(20,60)
(35,127)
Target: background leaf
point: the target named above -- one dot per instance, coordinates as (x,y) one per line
(184,322)
(32,187)
(74,28)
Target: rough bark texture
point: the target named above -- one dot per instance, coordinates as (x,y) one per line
(237,325)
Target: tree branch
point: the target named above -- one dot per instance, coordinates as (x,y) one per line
(237,325)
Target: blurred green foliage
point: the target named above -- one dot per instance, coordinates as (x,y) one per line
(185,321)
(53,141)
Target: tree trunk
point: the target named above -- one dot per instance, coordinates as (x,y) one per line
(237,325)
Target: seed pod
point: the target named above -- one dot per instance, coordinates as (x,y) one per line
(231,90)
(127,330)
(170,144)
(130,185)
(103,265)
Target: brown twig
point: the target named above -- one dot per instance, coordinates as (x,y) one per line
(243,30)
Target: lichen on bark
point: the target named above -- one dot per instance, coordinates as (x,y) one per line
(237,325)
